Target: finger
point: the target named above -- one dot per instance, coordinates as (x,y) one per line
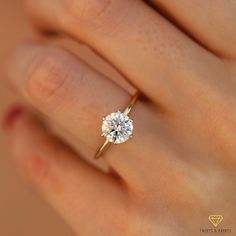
(78,191)
(77,97)
(132,36)
(212,24)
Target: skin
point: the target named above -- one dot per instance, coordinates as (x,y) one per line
(180,166)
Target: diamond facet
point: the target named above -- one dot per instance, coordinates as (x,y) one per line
(117,127)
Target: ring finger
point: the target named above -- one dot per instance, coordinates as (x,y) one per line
(77,97)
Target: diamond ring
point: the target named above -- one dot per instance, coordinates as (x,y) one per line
(117,127)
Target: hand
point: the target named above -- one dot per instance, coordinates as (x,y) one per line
(180,165)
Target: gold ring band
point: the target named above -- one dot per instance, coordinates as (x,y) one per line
(125,113)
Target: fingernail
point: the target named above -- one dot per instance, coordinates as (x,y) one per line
(20,62)
(13,115)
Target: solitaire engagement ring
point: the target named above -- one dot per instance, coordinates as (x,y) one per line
(117,127)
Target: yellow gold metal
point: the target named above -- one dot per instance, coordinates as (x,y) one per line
(127,110)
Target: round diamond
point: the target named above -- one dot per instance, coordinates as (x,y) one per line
(117,127)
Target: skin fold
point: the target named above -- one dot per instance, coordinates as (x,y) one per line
(180,166)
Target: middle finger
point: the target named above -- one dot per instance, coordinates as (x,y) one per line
(137,40)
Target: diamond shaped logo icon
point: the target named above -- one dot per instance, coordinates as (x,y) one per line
(215,219)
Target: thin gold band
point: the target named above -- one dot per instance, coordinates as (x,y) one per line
(127,110)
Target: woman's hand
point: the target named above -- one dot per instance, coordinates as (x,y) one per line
(180,166)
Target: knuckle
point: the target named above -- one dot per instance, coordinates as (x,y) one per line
(222,111)
(129,223)
(84,10)
(120,225)
(220,116)
(95,14)
(47,77)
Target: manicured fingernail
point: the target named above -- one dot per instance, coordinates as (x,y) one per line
(12,115)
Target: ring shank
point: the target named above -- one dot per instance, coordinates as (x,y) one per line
(127,110)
